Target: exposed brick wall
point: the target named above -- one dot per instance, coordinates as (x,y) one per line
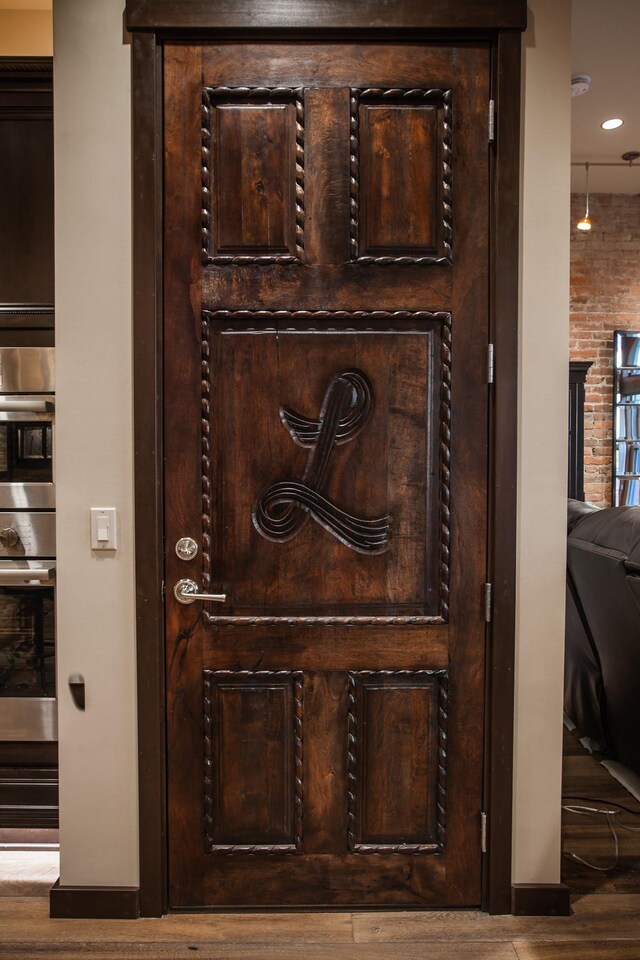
(605,296)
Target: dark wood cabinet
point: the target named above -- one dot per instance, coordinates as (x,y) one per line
(26,192)
(577,375)
(28,770)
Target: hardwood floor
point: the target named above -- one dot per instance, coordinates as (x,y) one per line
(603,927)
(605,923)
(583,776)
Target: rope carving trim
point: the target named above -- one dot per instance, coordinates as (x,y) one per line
(353,746)
(312,317)
(438,98)
(211,678)
(211,95)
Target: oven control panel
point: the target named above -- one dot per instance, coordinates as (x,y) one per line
(27,535)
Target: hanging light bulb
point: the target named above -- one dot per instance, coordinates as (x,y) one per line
(585,222)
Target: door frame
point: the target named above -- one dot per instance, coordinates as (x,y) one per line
(152,22)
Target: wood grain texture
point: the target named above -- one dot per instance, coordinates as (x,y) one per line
(311,603)
(302,288)
(586,950)
(149,481)
(353,19)
(598,922)
(589,836)
(503,504)
(406,357)
(397,761)
(592,922)
(286,15)
(253,780)
(400,149)
(265,951)
(252,175)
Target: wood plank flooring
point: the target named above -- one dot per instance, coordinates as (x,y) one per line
(604,925)
(583,776)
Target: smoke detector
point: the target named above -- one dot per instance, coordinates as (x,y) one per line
(580,85)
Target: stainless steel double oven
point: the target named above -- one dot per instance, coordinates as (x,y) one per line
(27,545)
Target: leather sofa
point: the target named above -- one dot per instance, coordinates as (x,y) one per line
(602,652)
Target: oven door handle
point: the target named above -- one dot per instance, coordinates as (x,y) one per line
(22,575)
(27,406)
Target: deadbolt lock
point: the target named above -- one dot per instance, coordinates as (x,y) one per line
(186,548)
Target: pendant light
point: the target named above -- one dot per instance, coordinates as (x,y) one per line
(585,222)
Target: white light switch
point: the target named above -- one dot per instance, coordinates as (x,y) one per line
(103,528)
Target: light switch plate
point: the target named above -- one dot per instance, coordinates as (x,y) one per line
(103,528)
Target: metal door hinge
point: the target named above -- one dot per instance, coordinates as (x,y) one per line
(492,121)
(488,590)
(483,831)
(490,364)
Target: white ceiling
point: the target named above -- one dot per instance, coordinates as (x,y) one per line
(26,4)
(606,46)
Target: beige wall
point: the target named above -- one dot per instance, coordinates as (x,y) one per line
(26,33)
(95,597)
(544,354)
(96,613)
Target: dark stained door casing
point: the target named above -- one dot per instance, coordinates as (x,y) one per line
(326,327)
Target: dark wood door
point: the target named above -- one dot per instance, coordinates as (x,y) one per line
(326,305)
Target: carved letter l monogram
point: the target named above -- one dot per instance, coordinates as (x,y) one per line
(283,509)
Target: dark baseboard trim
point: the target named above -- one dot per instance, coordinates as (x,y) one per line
(540,900)
(93,903)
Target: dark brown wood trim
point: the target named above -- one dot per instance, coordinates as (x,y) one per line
(502,526)
(93,903)
(285,15)
(26,88)
(165,17)
(149,496)
(541,900)
(15,70)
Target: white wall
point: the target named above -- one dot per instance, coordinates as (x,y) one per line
(95,596)
(542,483)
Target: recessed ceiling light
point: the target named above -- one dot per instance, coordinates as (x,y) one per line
(612,124)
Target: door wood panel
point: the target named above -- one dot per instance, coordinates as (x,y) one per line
(253,175)
(397,761)
(253,787)
(401,176)
(326,325)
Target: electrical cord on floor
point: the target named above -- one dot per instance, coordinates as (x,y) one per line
(611,803)
(587,811)
(612,823)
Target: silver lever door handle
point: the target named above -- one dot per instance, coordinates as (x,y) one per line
(188,591)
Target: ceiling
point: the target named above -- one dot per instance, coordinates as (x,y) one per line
(26,4)
(606,47)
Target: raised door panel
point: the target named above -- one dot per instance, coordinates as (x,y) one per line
(252,175)
(253,761)
(397,761)
(326,466)
(401,176)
